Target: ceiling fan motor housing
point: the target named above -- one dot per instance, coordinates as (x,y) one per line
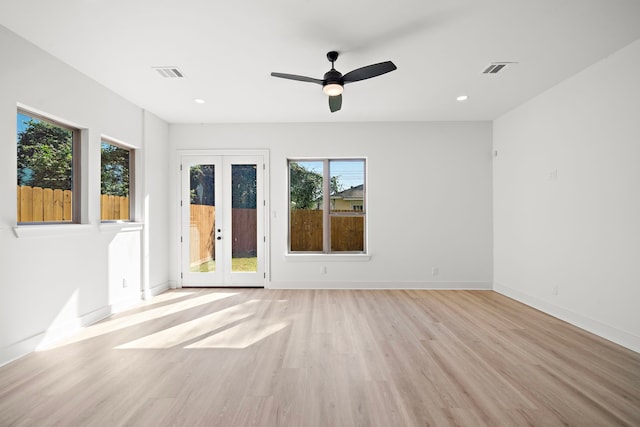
(332,77)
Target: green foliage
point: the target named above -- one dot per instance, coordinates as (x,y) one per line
(335,185)
(202,185)
(244,188)
(305,187)
(45,156)
(114,171)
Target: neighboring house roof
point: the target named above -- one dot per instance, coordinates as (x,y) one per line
(353,193)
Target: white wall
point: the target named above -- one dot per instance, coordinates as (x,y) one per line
(51,283)
(429,190)
(581,231)
(155,203)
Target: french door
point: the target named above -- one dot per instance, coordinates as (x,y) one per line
(222,210)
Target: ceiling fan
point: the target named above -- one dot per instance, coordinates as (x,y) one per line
(333,81)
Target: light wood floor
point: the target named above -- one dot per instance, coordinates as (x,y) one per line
(233,357)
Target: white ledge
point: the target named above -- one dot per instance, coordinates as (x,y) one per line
(327,257)
(116,227)
(51,230)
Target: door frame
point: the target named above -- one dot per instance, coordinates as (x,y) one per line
(266,226)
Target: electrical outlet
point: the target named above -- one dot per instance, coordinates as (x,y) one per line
(323,270)
(434,271)
(555,290)
(125,284)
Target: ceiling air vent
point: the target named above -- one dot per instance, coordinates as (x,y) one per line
(496,67)
(169,72)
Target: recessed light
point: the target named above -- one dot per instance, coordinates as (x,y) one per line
(199,101)
(462,98)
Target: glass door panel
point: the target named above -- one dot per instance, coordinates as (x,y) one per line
(244,246)
(202,255)
(202,219)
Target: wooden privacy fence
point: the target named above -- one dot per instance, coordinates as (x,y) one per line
(306,230)
(114,207)
(347,232)
(244,232)
(37,204)
(202,234)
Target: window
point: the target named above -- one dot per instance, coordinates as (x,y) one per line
(327,206)
(116,182)
(48,160)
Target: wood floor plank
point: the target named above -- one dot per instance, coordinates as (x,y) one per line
(255,357)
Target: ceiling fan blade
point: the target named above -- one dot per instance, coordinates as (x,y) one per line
(335,103)
(369,71)
(295,77)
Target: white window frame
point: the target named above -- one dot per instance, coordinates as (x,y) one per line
(132,178)
(326,209)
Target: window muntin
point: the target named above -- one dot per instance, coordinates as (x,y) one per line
(48,170)
(116,182)
(334,224)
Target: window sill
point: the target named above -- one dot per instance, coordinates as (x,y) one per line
(117,227)
(51,230)
(327,257)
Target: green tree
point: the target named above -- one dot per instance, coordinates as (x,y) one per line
(114,173)
(45,156)
(244,189)
(335,185)
(202,185)
(305,187)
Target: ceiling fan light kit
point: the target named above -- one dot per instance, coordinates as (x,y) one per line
(333,81)
(333,89)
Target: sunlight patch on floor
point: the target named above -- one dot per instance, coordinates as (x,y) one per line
(193,329)
(123,320)
(240,336)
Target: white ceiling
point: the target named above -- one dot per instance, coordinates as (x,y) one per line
(227,50)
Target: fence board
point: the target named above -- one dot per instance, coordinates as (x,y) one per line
(104,211)
(38,210)
(67,213)
(58,205)
(26,204)
(47,205)
(18,203)
(116,206)
(124,207)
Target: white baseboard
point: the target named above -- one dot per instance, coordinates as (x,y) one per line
(623,338)
(383,285)
(52,335)
(159,288)
(20,349)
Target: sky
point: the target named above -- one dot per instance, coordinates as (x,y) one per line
(22,122)
(350,173)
